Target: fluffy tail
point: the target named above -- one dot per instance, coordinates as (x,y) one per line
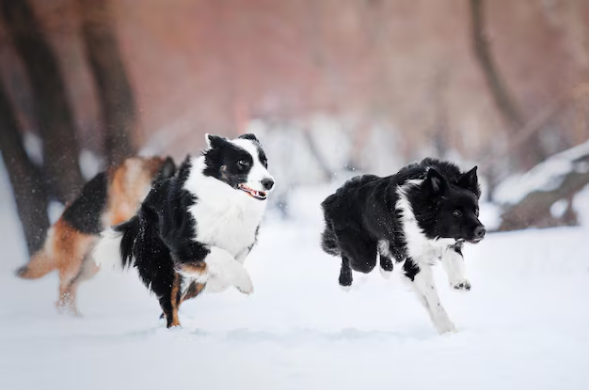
(329,241)
(40,265)
(115,247)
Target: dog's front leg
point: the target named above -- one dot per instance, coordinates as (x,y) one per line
(453,263)
(215,267)
(419,273)
(243,254)
(225,269)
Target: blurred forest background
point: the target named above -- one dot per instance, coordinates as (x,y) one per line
(332,87)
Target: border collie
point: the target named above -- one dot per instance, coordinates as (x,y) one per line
(111,197)
(425,211)
(196,229)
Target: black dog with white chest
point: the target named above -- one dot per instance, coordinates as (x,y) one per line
(195,230)
(425,211)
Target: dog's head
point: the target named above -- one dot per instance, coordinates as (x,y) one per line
(241,163)
(456,207)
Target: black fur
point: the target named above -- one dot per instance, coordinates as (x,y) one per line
(167,170)
(160,234)
(261,153)
(364,211)
(84,213)
(227,162)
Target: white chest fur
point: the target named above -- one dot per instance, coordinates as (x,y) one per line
(225,217)
(419,247)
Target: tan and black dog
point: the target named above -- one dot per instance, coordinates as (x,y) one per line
(110,198)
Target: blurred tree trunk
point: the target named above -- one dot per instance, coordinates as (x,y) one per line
(532,152)
(114,90)
(499,91)
(535,209)
(53,116)
(26,180)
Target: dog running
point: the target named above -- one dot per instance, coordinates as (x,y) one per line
(195,230)
(424,212)
(109,198)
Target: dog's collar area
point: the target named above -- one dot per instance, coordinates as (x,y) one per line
(459,243)
(260,195)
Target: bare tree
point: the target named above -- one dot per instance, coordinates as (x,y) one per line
(115,94)
(26,180)
(532,152)
(503,100)
(53,116)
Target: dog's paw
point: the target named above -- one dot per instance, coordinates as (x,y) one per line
(463,285)
(345,279)
(244,284)
(445,326)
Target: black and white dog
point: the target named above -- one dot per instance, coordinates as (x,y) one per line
(196,228)
(425,211)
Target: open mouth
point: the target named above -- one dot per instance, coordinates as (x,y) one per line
(260,195)
(476,240)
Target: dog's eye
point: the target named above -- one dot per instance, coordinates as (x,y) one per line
(457,213)
(264,162)
(243,164)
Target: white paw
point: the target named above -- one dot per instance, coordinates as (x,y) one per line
(461,284)
(445,326)
(346,288)
(244,283)
(385,274)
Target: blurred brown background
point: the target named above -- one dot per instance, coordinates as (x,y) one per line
(501,84)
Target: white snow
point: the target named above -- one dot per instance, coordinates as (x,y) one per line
(543,177)
(525,324)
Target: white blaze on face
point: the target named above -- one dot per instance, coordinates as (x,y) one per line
(257,172)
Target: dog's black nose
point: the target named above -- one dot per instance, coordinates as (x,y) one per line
(480,232)
(268,184)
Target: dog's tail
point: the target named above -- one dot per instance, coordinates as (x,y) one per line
(115,247)
(41,264)
(329,241)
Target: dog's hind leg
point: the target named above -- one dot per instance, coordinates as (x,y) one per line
(359,249)
(170,303)
(87,271)
(194,290)
(421,278)
(345,274)
(386,261)
(72,251)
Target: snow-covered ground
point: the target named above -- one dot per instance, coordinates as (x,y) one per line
(525,324)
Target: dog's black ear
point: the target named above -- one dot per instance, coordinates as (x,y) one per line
(165,171)
(214,141)
(470,181)
(168,168)
(435,182)
(249,136)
